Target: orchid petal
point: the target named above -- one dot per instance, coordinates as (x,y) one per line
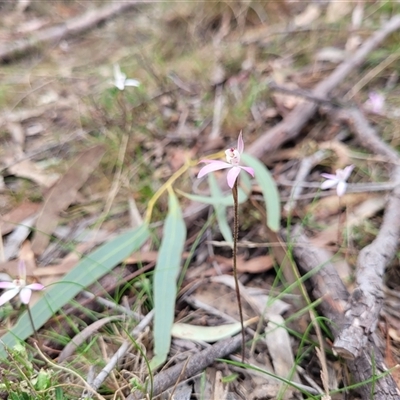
(119,84)
(249,170)
(329,176)
(132,82)
(341,188)
(8,295)
(347,172)
(35,286)
(240,145)
(232,176)
(214,165)
(328,184)
(119,77)
(25,295)
(7,285)
(118,74)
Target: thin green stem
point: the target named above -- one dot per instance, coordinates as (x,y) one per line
(33,326)
(234,254)
(340,224)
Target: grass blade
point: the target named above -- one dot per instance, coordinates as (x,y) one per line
(269,190)
(86,272)
(165,276)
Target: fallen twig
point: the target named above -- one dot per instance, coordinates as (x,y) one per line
(306,165)
(327,285)
(291,126)
(71,27)
(191,367)
(366,301)
(120,354)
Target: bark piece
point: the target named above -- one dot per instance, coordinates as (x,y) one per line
(11,220)
(280,349)
(62,194)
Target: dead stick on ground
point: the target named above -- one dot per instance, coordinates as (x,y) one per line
(185,370)
(290,127)
(71,27)
(306,165)
(326,284)
(366,300)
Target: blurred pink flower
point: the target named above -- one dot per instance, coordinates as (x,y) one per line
(233,161)
(18,286)
(375,102)
(339,180)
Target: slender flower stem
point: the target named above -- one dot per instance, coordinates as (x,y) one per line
(234,254)
(340,222)
(233,164)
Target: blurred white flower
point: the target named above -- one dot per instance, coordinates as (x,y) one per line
(339,180)
(120,80)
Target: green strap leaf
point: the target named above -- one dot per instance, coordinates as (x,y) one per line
(226,201)
(269,190)
(165,276)
(209,334)
(220,210)
(91,268)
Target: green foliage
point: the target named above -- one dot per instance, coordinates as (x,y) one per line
(21,396)
(230,378)
(269,190)
(30,383)
(220,210)
(86,272)
(217,201)
(165,276)
(59,394)
(42,381)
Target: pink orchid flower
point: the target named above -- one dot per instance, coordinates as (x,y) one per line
(339,180)
(233,161)
(18,286)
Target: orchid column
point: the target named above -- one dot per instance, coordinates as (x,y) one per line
(233,163)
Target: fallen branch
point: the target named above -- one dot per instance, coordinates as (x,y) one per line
(327,285)
(191,367)
(71,27)
(366,301)
(304,169)
(290,127)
